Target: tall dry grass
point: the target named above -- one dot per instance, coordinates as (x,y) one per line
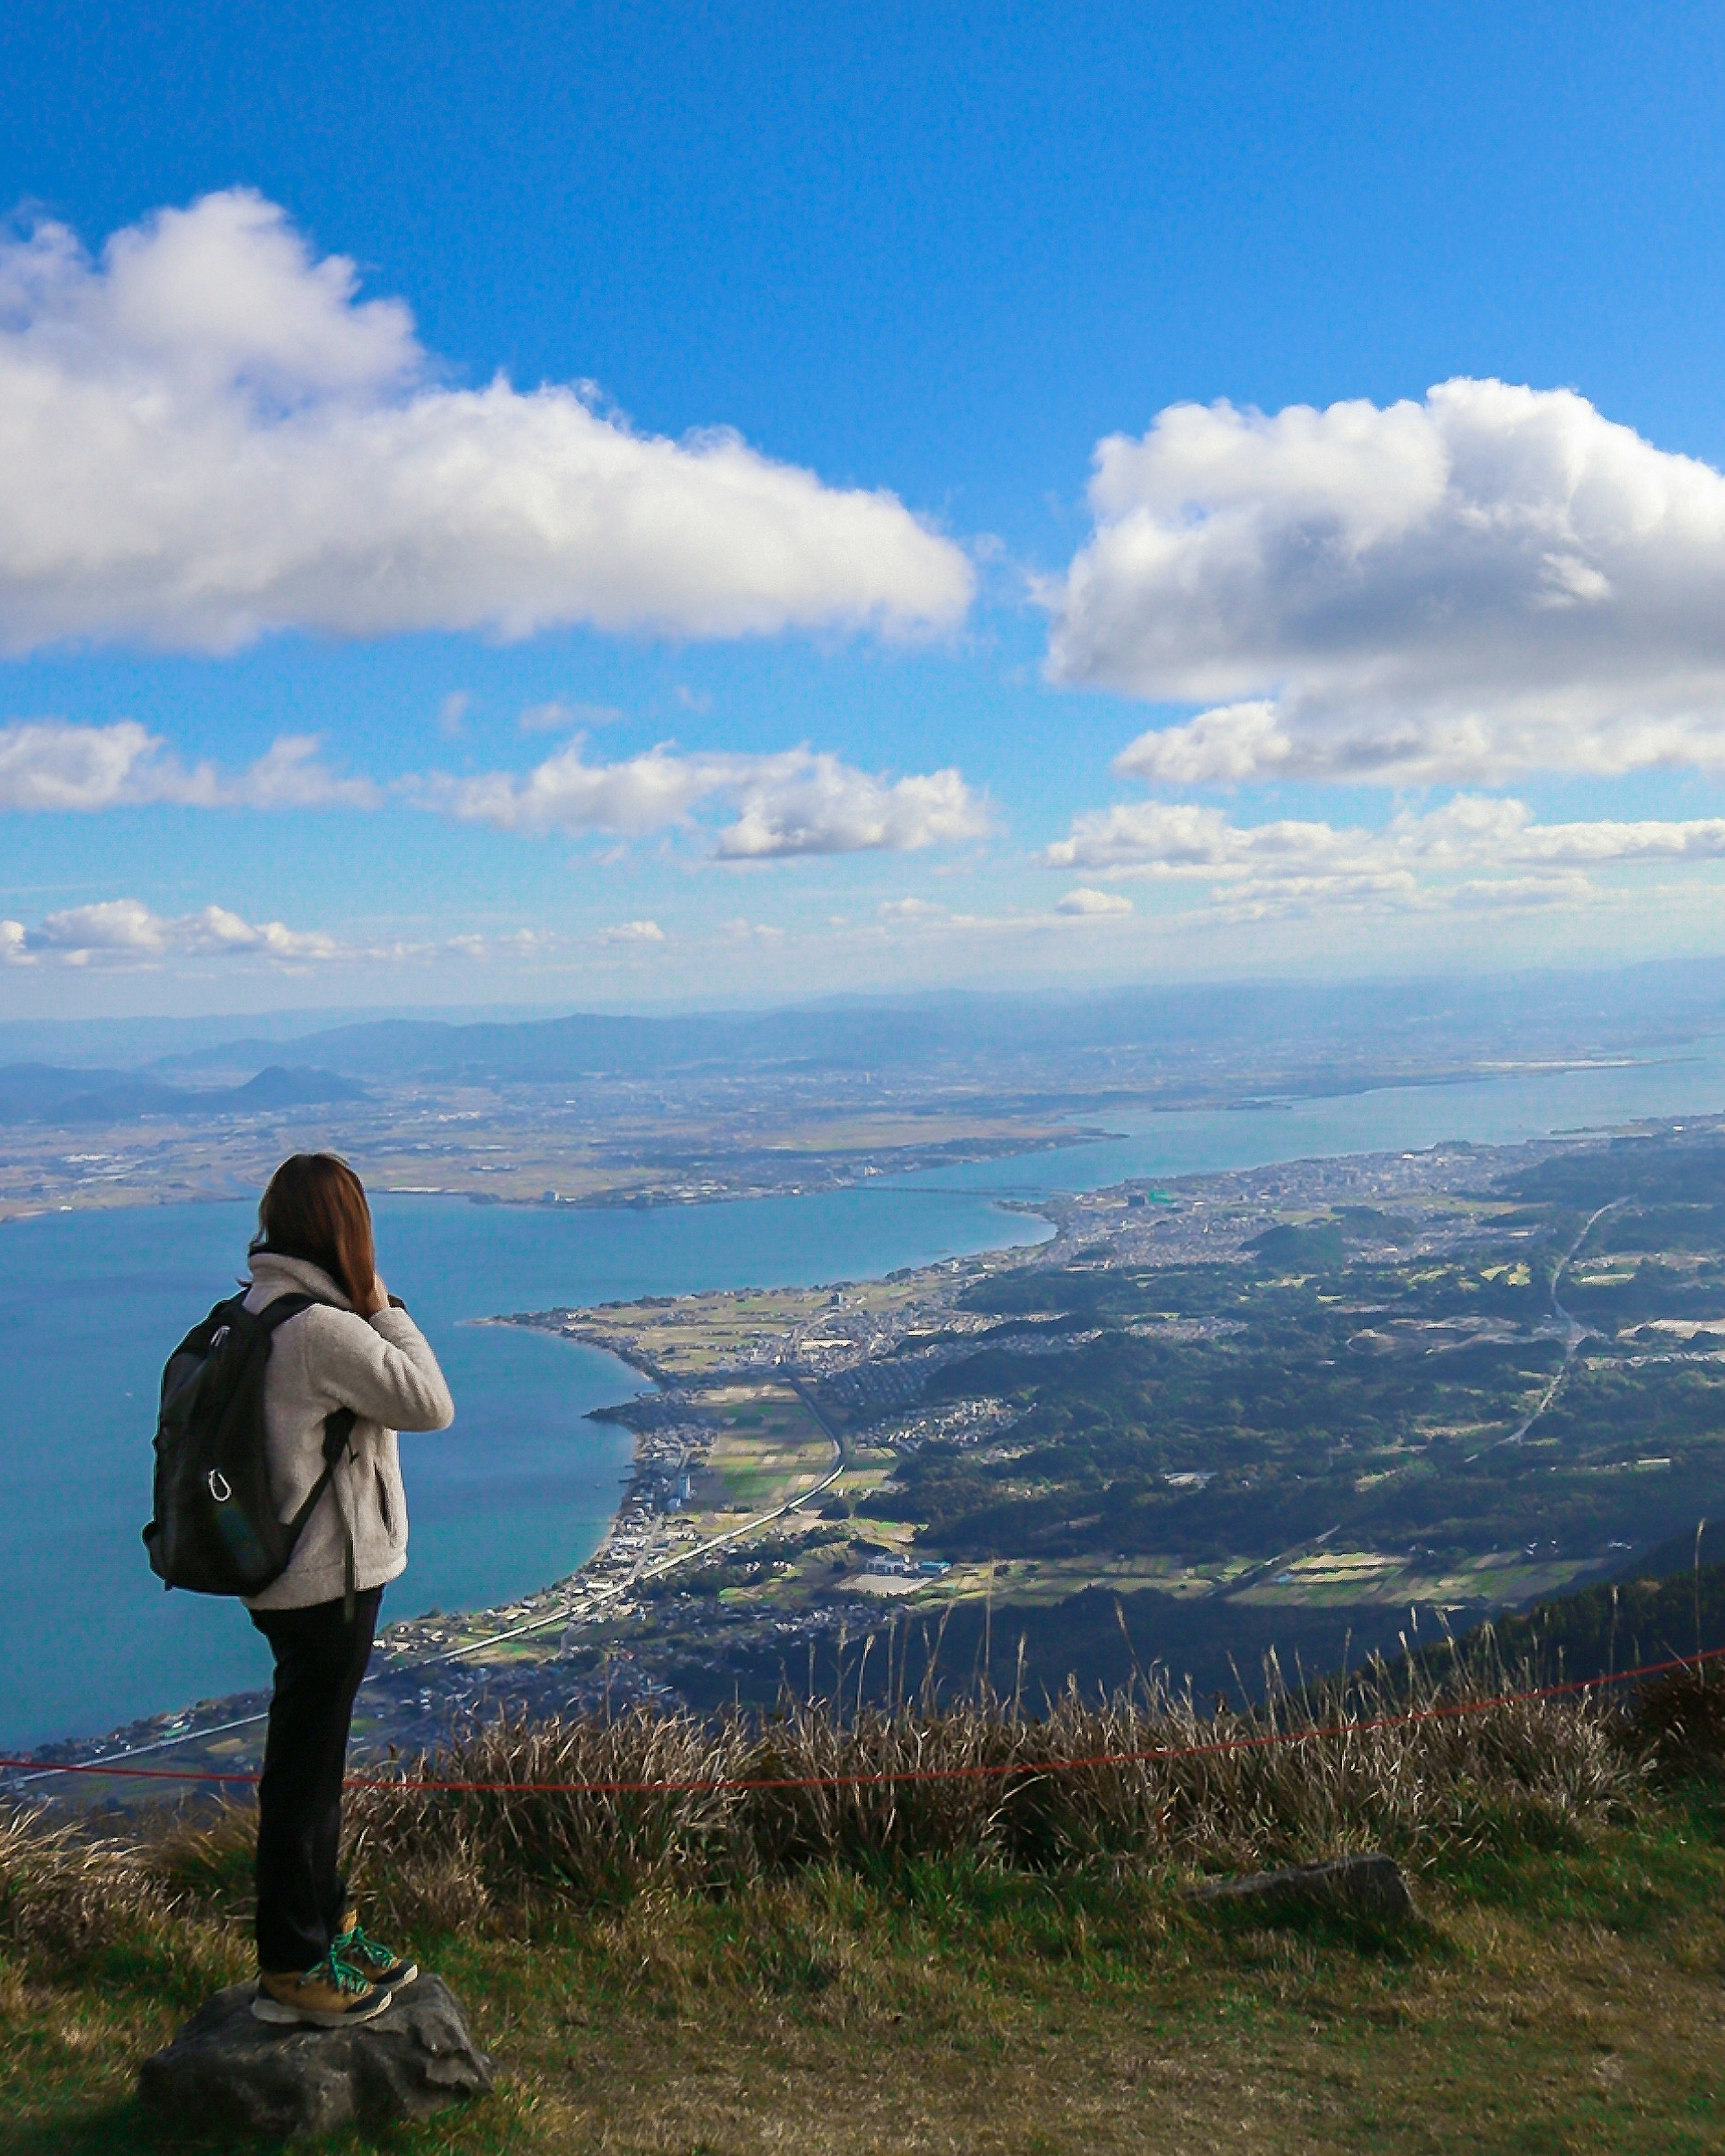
(979,1778)
(64,1888)
(812,1786)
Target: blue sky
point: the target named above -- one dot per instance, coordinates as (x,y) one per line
(387,419)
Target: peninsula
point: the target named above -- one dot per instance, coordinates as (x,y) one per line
(1305,1407)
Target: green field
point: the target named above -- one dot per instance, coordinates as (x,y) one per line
(1534,1389)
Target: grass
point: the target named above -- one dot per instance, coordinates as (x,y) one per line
(719,1975)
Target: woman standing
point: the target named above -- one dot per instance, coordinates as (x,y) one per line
(356,1348)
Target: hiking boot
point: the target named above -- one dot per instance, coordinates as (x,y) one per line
(332,1995)
(378,1964)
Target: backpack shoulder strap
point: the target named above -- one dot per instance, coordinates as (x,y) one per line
(199,1341)
(280,1308)
(337,1429)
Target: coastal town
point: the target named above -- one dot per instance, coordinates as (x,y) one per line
(760,1526)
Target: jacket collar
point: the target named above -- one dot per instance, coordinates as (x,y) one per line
(275,1275)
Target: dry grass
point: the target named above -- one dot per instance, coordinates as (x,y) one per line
(68,1891)
(970,1966)
(1572,2004)
(1431,1791)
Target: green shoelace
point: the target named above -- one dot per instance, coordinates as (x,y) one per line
(363,1949)
(342,1975)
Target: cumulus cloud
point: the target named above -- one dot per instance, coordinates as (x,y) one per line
(1088,904)
(206,435)
(1493,580)
(48,765)
(1473,849)
(796,802)
(123,931)
(803,804)
(288,775)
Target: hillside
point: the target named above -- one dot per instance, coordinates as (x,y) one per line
(1665,1607)
(1316,1407)
(45,1093)
(1326,1035)
(1006,1967)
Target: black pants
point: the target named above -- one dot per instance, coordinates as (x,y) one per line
(320,1656)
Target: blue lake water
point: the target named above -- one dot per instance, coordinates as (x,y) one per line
(1484,1110)
(521,1489)
(518,1492)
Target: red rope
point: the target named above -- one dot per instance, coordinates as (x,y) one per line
(993,1771)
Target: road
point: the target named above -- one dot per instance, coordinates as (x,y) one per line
(609,1593)
(1574,1333)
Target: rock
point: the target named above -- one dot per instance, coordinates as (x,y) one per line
(227,2069)
(1362,1886)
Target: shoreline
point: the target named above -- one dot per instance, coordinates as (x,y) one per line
(829,1173)
(956,1153)
(413,1648)
(419,1646)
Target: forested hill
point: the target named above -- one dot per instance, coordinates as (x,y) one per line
(1667,1608)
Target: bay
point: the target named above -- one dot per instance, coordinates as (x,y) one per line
(522,1489)
(520,1492)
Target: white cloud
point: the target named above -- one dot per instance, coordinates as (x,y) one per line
(123,931)
(640,794)
(1088,904)
(1077,908)
(796,802)
(803,804)
(289,776)
(206,436)
(633,932)
(48,765)
(1494,580)
(1472,851)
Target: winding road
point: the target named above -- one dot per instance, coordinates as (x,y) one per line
(1574,1333)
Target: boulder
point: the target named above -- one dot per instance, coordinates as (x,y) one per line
(1369,1885)
(226,2068)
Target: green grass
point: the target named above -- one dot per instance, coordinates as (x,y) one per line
(961,1968)
(1569,2002)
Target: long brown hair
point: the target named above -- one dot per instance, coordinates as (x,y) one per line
(316,1209)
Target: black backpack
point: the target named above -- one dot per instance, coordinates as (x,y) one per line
(215,1530)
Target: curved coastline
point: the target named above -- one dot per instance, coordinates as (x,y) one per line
(805,1234)
(75,1675)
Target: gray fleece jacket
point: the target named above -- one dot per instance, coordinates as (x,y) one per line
(329,1357)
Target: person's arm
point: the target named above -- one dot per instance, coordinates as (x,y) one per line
(381,1366)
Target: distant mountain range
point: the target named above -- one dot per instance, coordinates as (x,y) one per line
(44,1093)
(1439,1022)
(1310,1035)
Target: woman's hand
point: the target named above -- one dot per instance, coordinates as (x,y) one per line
(380,1298)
